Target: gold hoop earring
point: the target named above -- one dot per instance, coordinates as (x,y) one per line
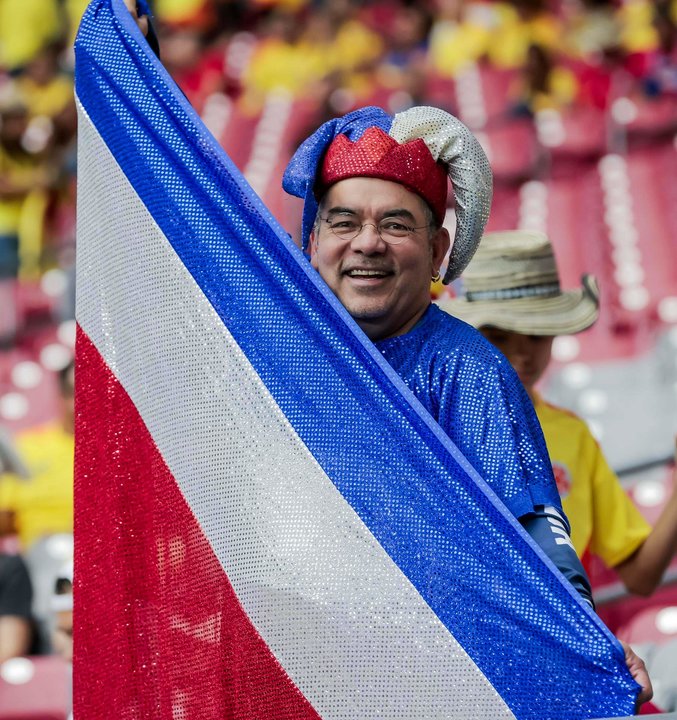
(436,277)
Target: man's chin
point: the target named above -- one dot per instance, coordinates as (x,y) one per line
(367,313)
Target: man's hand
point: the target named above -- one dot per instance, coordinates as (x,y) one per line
(638,671)
(141,21)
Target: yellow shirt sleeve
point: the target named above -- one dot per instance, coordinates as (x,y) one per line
(618,527)
(603,518)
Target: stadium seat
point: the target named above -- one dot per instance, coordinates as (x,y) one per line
(35,688)
(496,85)
(657,625)
(618,610)
(28,387)
(512,150)
(662,666)
(645,120)
(655,217)
(440,91)
(237,136)
(504,208)
(572,135)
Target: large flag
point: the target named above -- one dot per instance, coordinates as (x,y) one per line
(268,525)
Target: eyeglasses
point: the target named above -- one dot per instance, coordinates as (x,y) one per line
(389,230)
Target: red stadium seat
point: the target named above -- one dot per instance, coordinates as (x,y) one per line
(572,134)
(512,150)
(31,398)
(35,688)
(652,173)
(657,625)
(440,91)
(646,120)
(497,90)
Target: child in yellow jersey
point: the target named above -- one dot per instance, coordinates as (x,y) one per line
(511,292)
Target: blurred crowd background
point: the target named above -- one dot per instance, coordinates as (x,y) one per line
(575,102)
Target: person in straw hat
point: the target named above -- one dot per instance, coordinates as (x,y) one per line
(511,292)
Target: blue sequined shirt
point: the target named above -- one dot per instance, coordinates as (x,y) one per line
(472,391)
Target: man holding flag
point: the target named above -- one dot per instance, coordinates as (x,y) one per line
(375,582)
(373,218)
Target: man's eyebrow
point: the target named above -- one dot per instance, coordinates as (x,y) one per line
(391,212)
(342,210)
(398,212)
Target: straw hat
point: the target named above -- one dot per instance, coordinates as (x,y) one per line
(512,283)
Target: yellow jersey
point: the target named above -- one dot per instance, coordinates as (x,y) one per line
(604,521)
(43,504)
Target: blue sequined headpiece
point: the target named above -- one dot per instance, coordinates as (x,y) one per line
(302,171)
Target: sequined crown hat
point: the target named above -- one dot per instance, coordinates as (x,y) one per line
(419,148)
(512,283)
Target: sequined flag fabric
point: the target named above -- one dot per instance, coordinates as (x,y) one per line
(268,525)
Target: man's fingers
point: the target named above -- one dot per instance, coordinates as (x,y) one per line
(141,21)
(639,672)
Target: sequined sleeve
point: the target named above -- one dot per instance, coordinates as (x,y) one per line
(471,390)
(488,415)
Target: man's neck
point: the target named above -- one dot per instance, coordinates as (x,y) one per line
(376,330)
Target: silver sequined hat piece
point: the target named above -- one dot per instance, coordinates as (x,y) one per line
(452,143)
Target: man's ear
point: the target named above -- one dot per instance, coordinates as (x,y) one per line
(312,246)
(441,242)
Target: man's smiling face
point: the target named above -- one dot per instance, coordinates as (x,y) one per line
(384,287)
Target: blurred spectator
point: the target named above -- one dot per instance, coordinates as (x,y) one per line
(73,10)
(276,63)
(637,32)
(460,35)
(24,179)
(511,293)
(520,25)
(16,596)
(403,64)
(654,63)
(180,13)
(290,5)
(62,608)
(296,52)
(44,504)
(196,70)
(591,28)
(545,84)
(25,27)
(355,48)
(48,94)
(45,89)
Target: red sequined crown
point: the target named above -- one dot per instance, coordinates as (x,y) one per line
(378,155)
